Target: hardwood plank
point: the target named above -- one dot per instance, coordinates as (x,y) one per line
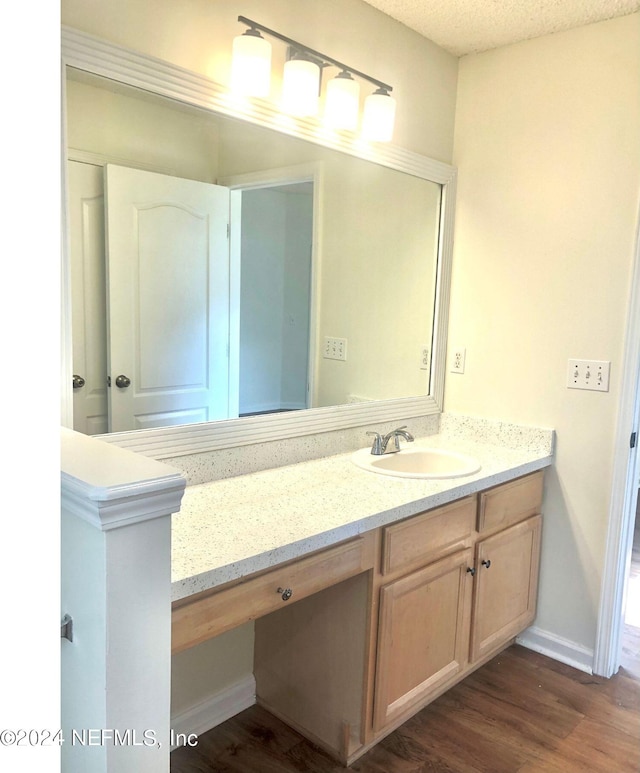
(400,753)
(613,702)
(589,749)
(520,713)
(443,731)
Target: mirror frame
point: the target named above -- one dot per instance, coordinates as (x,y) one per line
(99,57)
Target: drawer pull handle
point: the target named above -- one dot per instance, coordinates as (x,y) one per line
(286,593)
(471,570)
(486,563)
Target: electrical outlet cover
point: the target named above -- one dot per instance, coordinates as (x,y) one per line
(458,357)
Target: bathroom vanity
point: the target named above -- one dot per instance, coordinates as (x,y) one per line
(371,594)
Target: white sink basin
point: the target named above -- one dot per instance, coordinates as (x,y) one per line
(417,463)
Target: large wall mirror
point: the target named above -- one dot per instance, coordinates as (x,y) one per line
(233,278)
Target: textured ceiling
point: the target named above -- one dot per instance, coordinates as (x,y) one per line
(470,26)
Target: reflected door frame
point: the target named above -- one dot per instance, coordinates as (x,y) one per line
(269,178)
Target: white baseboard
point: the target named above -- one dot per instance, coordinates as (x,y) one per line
(556,647)
(216,709)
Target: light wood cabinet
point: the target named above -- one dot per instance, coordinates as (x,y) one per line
(207,615)
(377,627)
(433,534)
(506,584)
(430,634)
(423,636)
(510,503)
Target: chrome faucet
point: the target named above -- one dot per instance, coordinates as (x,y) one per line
(381,442)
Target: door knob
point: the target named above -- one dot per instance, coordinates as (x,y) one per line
(122,381)
(78,382)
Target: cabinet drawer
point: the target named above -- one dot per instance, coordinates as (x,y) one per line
(412,542)
(510,503)
(207,616)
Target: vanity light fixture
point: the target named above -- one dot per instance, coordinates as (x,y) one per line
(251,64)
(342,102)
(379,116)
(301,84)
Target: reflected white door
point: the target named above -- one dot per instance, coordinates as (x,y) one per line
(168,299)
(86,224)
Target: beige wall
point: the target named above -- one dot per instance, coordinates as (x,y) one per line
(197,34)
(129,130)
(547,146)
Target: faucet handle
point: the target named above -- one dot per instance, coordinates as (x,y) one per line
(376,448)
(396,434)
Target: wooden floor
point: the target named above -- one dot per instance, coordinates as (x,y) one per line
(521,713)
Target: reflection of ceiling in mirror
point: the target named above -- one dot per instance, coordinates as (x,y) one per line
(377,229)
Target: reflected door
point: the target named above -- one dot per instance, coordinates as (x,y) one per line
(168,299)
(86,229)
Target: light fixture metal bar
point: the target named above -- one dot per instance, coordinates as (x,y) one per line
(317,54)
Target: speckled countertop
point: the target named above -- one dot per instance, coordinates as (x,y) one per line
(231,528)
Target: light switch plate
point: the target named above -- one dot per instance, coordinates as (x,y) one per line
(588,374)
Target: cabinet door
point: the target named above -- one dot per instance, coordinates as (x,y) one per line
(423,635)
(506,586)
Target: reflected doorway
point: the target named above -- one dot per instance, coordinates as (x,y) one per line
(272,247)
(630,651)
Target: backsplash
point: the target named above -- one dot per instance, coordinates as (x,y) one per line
(231,462)
(499,433)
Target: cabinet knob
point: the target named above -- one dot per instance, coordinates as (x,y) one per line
(286,593)
(486,563)
(471,570)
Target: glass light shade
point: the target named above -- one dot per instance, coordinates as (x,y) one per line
(251,65)
(379,116)
(342,101)
(300,87)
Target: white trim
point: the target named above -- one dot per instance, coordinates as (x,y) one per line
(108,509)
(100,57)
(168,442)
(563,650)
(267,178)
(624,491)
(216,709)
(99,159)
(66,337)
(110,487)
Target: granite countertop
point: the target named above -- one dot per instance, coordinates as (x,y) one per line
(231,528)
